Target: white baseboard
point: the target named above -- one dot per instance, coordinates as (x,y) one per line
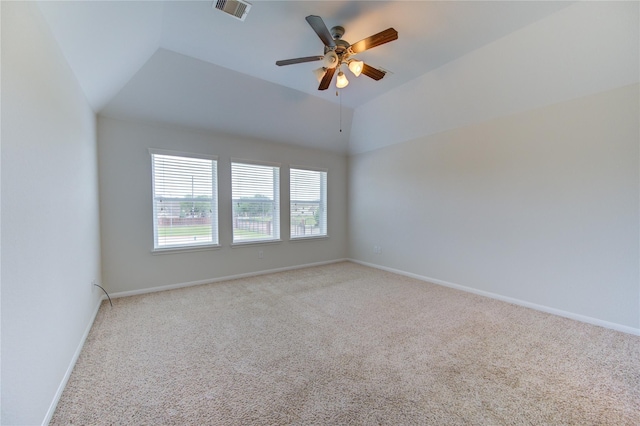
(213,280)
(67,374)
(542,308)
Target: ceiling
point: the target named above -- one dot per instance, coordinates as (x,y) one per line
(186,63)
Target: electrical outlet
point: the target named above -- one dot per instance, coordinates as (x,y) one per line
(260,254)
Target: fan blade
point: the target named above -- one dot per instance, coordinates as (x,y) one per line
(375,40)
(321,29)
(299,60)
(326,80)
(372,72)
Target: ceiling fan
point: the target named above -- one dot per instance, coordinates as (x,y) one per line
(338,52)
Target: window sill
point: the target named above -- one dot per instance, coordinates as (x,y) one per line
(173,250)
(254,243)
(312,237)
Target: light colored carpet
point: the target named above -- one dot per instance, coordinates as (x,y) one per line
(346,344)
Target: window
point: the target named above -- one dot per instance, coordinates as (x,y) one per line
(308,203)
(255,189)
(185,200)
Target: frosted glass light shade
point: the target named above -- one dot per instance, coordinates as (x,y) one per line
(356,67)
(319,73)
(341,80)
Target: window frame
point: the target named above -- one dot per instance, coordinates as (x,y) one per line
(215,203)
(323,203)
(277,190)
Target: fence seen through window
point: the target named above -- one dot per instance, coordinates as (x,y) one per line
(308,189)
(256,200)
(184,201)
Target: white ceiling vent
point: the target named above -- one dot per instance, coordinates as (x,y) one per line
(237,8)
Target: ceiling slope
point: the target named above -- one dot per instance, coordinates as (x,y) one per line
(177,89)
(587,48)
(107,42)
(104,42)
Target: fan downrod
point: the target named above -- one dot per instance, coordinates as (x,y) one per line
(337,32)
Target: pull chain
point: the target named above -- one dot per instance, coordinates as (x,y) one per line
(340,110)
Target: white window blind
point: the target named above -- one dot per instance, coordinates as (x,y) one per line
(185,200)
(256,202)
(308,203)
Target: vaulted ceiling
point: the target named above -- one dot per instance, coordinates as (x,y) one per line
(186,63)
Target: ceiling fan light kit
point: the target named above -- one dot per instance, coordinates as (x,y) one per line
(338,52)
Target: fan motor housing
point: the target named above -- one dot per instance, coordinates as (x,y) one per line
(341,47)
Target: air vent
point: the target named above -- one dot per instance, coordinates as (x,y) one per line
(237,8)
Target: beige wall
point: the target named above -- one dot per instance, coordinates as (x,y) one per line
(541,207)
(126,209)
(50,230)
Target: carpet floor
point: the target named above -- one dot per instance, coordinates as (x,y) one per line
(346,344)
